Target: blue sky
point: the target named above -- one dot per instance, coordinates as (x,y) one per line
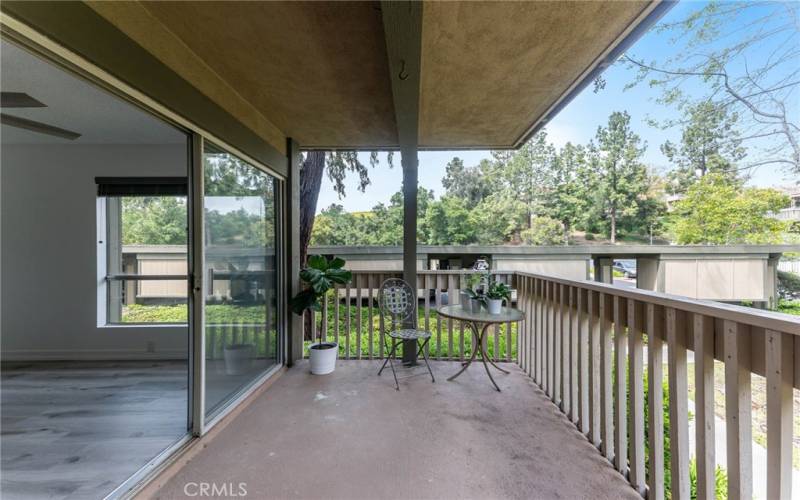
(577,123)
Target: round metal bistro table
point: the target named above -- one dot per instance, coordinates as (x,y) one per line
(480,323)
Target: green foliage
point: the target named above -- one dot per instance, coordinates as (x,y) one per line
(497,290)
(154,220)
(789,307)
(543,231)
(448,221)
(444,344)
(716,211)
(215,314)
(710,143)
(621,180)
(321,275)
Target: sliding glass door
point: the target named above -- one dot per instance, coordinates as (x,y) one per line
(240,275)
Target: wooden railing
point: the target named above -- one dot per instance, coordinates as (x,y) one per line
(351,318)
(595,349)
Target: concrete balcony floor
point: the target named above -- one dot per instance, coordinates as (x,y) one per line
(350,435)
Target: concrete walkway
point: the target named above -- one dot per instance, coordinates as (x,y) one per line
(350,435)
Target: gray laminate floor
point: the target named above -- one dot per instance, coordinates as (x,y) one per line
(78,429)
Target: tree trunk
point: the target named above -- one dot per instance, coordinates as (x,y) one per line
(310,182)
(613,224)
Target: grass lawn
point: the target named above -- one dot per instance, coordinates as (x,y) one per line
(449,341)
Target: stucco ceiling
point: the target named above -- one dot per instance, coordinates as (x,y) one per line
(318,71)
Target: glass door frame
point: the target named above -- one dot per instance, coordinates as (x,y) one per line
(200,422)
(47,48)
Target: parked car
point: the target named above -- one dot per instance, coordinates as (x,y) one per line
(626,267)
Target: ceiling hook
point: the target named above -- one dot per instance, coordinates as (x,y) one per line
(403,73)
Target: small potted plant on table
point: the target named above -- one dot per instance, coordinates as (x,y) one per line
(472,294)
(320,277)
(496,293)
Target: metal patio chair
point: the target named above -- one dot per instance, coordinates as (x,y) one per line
(398,305)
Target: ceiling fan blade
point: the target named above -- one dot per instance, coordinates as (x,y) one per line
(41,128)
(19,100)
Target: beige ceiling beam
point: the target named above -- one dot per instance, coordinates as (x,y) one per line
(402,25)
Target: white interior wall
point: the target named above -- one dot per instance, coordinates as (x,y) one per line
(48,259)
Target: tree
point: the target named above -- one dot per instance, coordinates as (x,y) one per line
(718,212)
(710,142)
(471,184)
(744,56)
(500,218)
(565,198)
(449,222)
(154,220)
(525,174)
(543,231)
(338,164)
(621,179)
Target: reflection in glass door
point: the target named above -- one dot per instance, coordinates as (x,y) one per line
(240,268)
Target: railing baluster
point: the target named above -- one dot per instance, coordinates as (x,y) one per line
(325,319)
(703,333)
(678,404)
(595,324)
(381,325)
(620,385)
(574,362)
(370,325)
(438,323)
(426,289)
(521,296)
(551,334)
(606,395)
(738,424)
(348,322)
(359,306)
(563,349)
(655,399)
(536,346)
(450,297)
(779,367)
(583,360)
(336,300)
(636,458)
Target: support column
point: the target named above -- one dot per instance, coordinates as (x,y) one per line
(648,271)
(410,162)
(603,271)
(402,27)
(294,323)
(771,282)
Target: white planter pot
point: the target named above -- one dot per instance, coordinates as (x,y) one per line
(323,361)
(494,305)
(239,358)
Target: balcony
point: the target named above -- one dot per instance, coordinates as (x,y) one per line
(580,415)
(351,435)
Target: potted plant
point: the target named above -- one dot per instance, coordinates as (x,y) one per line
(239,358)
(496,293)
(320,277)
(472,294)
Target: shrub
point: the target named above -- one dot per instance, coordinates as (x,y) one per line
(589,236)
(543,231)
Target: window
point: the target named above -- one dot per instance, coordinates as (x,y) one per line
(145,247)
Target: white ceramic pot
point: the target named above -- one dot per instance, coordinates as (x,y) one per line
(494,305)
(323,361)
(239,358)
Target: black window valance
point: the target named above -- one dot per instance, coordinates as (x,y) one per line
(141,186)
